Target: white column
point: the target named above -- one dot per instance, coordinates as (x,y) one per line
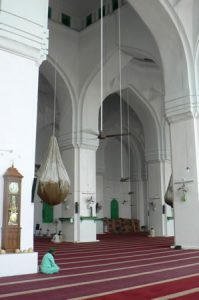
(87,194)
(81,164)
(21,53)
(100,201)
(68,207)
(137,201)
(141,202)
(156,197)
(185,163)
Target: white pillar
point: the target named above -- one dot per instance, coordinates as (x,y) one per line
(86,190)
(138,201)
(100,201)
(68,206)
(185,163)
(81,162)
(21,53)
(156,197)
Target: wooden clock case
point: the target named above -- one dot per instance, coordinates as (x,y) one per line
(11,229)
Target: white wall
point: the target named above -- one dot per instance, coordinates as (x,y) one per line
(134,35)
(37,13)
(18,114)
(145,80)
(100,200)
(154,196)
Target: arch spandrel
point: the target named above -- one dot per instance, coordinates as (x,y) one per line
(175,59)
(65,101)
(145,112)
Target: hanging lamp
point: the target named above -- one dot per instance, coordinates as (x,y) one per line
(54,182)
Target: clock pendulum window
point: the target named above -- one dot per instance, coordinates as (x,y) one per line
(11,210)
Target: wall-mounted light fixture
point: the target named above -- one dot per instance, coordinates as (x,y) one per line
(90,201)
(153,205)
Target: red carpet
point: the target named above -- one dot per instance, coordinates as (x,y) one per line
(155,291)
(117,267)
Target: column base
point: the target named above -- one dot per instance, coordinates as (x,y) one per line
(18,264)
(185,247)
(87,241)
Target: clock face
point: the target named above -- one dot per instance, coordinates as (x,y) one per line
(14,187)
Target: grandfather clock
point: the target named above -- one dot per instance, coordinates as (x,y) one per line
(11,210)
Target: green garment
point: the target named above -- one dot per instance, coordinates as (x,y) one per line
(48,265)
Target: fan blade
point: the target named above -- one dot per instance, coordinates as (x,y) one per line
(117,134)
(124,179)
(130,193)
(102,135)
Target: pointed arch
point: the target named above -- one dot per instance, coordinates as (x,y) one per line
(114,209)
(173,46)
(66,98)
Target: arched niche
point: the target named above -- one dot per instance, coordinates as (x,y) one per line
(137,42)
(174,50)
(149,121)
(195,22)
(49,104)
(112,125)
(197,68)
(114,209)
(133,158)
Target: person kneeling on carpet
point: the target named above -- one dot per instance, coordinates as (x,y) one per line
(48,265)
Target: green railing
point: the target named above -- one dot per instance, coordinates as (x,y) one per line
(82,218)
(68,219)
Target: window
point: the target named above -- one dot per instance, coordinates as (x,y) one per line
(89,20)
(65,19)
(99,12)
(115,4)
(49,12)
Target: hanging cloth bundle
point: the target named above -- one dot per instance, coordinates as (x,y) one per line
(53,186)
(168,197)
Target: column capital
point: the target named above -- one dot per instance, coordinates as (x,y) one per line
(157,155)
(182,107)
(67,141)
(20,34)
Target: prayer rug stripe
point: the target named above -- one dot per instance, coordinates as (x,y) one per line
(146,291)
(115,263)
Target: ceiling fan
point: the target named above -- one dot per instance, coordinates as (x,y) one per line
(124,179)
(102,135)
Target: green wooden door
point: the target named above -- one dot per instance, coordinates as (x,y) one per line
(47,213)
(114,209)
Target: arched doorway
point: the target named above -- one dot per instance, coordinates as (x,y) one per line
(114,209)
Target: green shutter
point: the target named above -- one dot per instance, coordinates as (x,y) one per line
(89,20)
(65,19)
(115,4)
(49,12)
(114,209)
(99,12)
(47,213)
